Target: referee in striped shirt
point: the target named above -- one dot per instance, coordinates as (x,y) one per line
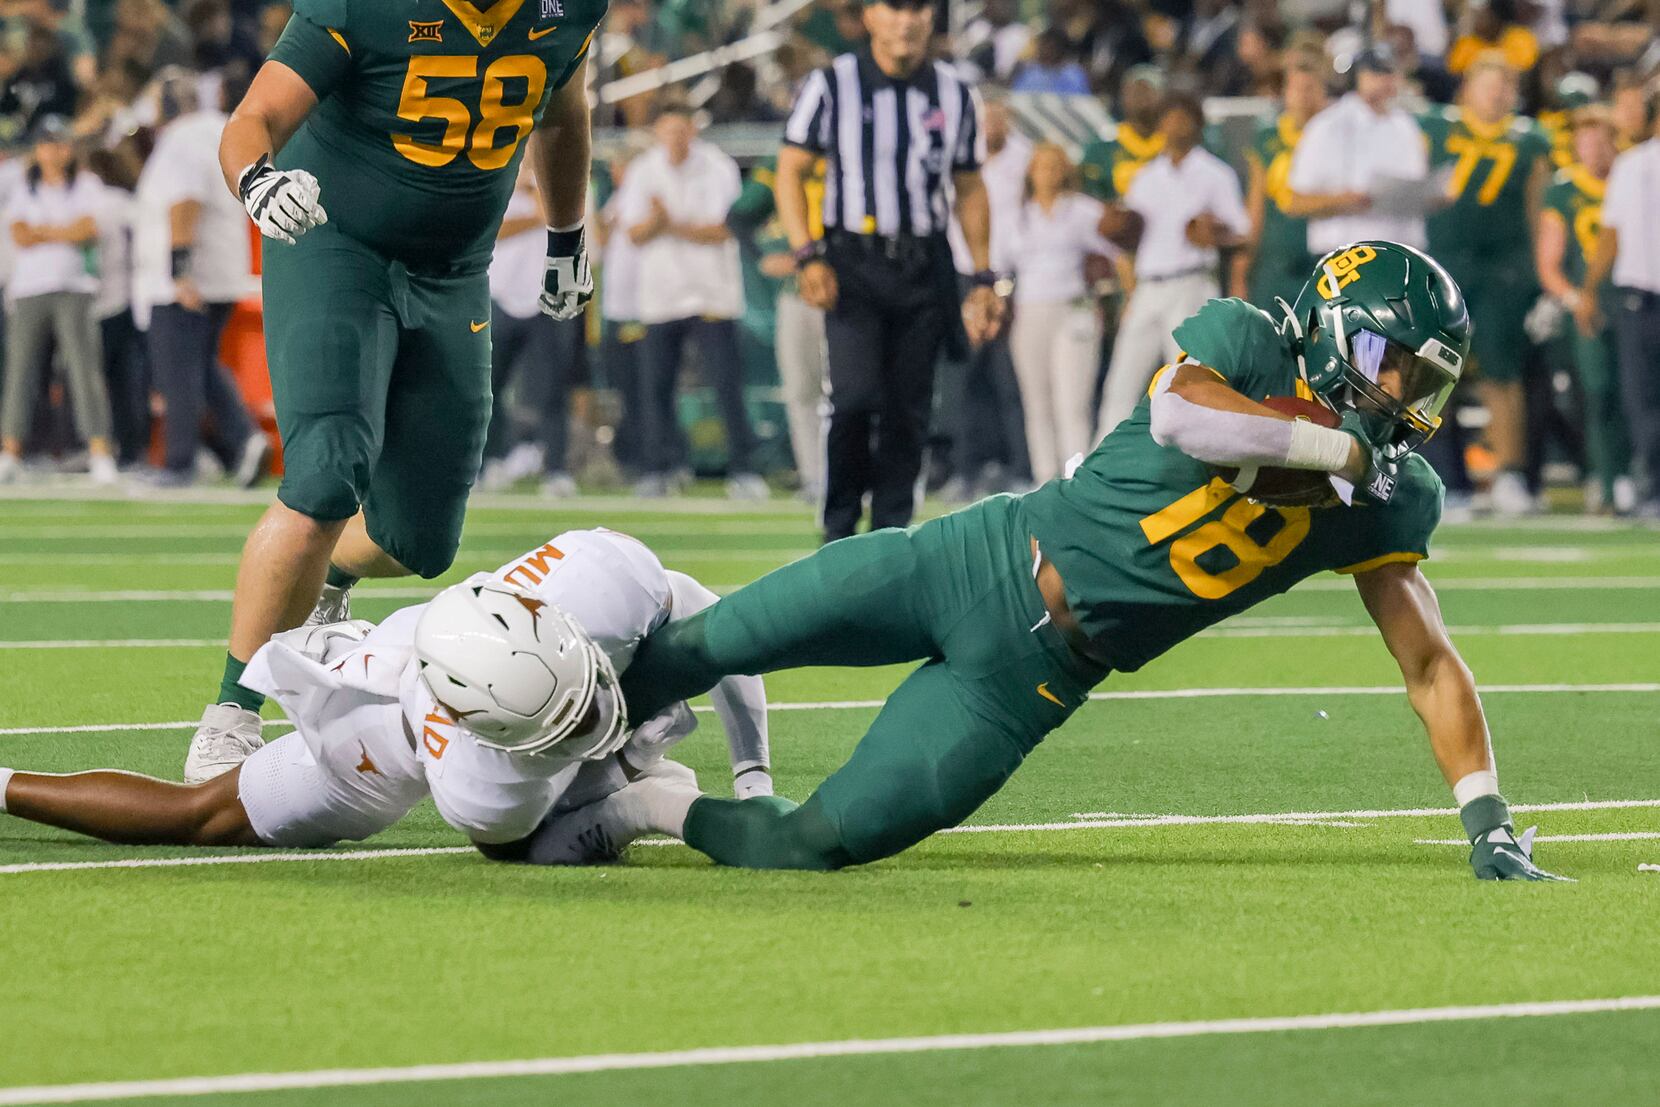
(903,143)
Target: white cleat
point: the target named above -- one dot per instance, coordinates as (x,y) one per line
(333,606)
(227,736)
(600,831)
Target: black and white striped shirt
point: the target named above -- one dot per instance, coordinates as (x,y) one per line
(892,144)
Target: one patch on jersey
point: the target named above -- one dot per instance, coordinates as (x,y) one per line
(426,32)
(552,9)
(1382,487)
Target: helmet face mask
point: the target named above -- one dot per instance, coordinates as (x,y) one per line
(1381,329)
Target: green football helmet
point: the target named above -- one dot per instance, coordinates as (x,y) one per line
(1375,308)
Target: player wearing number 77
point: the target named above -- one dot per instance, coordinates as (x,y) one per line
(1018,606)
(376,150)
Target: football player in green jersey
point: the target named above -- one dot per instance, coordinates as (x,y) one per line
(1277,253)
(376,150)
(1108,165)
(1568,229)
(1499,164)
(1018,606)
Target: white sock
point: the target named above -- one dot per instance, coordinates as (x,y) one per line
(659,807)
(5,779)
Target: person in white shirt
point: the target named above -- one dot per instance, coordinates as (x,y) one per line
(674,203)
(1361,168)
(52,218)
(125,375)
(1188,203)
(192,264)
(385,716)
(1627,255)
(1056,333)
(553,352)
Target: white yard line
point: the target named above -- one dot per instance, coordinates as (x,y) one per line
(113,644)
(1623,836)
(233,859)
(1098,697)
(800,1051)
(668,551)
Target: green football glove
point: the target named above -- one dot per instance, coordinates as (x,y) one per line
(1495,851)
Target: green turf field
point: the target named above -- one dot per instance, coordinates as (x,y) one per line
(1251,829)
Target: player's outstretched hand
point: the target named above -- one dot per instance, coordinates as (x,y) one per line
(1498,854)
(283,203)
(567,282)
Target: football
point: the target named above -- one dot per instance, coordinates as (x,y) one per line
(1273,484)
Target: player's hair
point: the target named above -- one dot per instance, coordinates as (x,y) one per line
(1183,101)
(1490,61)
(1592,115)
(672,107)
(1070,184)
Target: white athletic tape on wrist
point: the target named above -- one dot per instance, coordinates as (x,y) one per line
(1483,782)
(1319,448)
(5,779)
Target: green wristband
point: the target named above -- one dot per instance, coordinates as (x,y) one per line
(1482,814)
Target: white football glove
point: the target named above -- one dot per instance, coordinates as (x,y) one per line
(567,282)
(283,203)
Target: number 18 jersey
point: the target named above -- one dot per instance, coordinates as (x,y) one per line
(1154,547)
(423,110)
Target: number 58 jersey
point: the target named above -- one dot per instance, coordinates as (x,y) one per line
(1154,547)
(423,110)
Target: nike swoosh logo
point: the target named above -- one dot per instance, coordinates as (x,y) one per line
(1043,690)
(543,33)
(479,326)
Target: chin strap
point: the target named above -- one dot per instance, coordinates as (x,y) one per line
(1292,328)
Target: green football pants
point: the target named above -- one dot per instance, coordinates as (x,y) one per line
(381,382)
(1607,445)
(955,593)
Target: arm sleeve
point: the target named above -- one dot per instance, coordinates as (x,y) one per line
(1230,204)
(320,55)
(1306,162)
(1616,203)
(809,124)
(740,701)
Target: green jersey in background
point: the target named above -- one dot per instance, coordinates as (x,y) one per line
(1282,262)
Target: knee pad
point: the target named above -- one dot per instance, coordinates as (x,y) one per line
(426,547)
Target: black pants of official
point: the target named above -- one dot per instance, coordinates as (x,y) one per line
(662,351)
(548,357)
(185,369)
(884,336)
(127,380)
(1636,317)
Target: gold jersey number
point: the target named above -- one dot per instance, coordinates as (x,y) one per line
(1470,153)
(495,114)
(1228,532)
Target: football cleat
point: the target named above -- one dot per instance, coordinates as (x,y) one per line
(227,736)
(333,606)
(600,831)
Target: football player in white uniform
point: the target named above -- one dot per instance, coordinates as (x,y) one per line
(499,699)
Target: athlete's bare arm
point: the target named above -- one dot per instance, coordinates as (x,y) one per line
(1205,390)
(277,103)
(1443,693)
(134,810)
(560,149)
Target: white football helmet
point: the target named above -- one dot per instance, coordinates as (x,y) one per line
(517,673)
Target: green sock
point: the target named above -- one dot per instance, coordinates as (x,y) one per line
(230,691)
(764,832)
(339,578)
